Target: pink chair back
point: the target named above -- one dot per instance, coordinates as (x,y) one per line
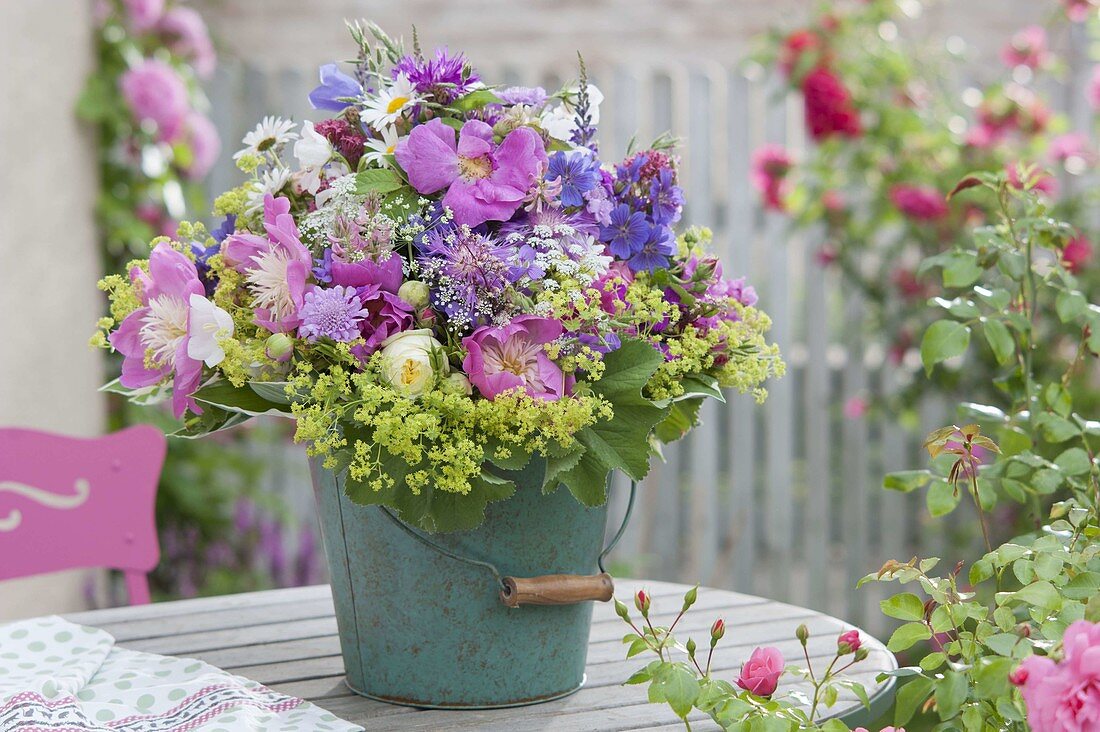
(68,503)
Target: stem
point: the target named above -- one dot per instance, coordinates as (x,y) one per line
(978,503)
(710,655)
(819,686)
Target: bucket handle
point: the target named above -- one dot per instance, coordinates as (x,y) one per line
(550,589)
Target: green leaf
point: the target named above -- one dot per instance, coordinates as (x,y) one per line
(556,465)
(1070,305)
(680,688)
(999,340)
(908,634)
(682,417)
(377,180)
(991,676)
(944,339)
(1092,609)
(1074,461)
(1085,586)
(1055,428)
(905,606)
(910,697)
(942,499)
(243,400)
(951,692)
(961,269)
(1041,594)
(273,391)
(476,100)
(906,481)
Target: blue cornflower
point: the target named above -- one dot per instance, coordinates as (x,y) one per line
(666,198)
(626,233)
(578,172)
(654,252)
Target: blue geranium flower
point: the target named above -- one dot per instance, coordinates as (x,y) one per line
(626,233)
(578,173)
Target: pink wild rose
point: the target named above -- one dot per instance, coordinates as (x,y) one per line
(760,674)
(1028,47)
(156,93)
(920,203)
(499,359)
(186,35)
(1064,697)
(484,181)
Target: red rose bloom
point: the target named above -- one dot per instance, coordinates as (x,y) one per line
(829,108)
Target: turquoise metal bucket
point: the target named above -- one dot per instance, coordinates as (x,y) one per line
(420,628)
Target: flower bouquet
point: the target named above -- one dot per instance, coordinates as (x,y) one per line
(459,303)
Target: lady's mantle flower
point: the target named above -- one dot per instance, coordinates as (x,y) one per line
(577,172)
(153,340)
(335,85)
(1064,697)
(513,357)
(156,93)
(333,313)
(443,77)
(411,360)
(208,324)
(385,109)
(268,136)
(276,267)
(484,182)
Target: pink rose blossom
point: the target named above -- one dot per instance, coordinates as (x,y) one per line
(1070,147)
(1078,10)
(770,165)
(202,139)
(156,93)
(143,14)
(1028,47)
(1076,254)
(513,357)
(1064,697)
(828,105)
(920,203)
(484,181)
(854,408)
(186,35)
(760,674)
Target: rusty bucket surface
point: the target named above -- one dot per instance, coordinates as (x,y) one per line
(420,628)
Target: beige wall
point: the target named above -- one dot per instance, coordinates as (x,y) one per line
(49,259)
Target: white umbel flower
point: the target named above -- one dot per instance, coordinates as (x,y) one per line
(208,325)
(385,109)
(268,136)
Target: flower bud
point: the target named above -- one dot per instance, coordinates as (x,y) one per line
(802,633)
(848,642)
(861,654)
(689,598)
(457,383)
(690,645)
(279,347)
(717,631)
(1018,677)
(621,610)
(1023,630)
(415,293)
(641,601)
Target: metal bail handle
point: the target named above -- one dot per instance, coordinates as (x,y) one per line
(549,589)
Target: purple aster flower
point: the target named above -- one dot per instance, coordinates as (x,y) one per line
(627,232)
(578,173)
(335,85)
(666,199)
(654,252)
(532,96)
(443,76)
(333,313)
(469,274)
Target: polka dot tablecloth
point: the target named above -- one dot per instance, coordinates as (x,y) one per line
(62,677)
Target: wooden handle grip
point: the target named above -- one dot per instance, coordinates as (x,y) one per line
(556,589)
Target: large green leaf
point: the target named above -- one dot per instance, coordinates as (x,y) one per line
(944,339)
(682,417)
(242,399)
(377,180)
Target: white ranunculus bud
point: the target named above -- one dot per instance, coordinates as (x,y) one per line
(415,293)
(410,361)
(457,383)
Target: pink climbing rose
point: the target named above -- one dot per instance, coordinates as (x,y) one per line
(1065,696)
(760,674)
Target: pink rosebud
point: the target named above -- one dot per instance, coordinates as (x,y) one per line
(1028,47)
(1018,677)
(760,674)
(848,642)
(826,255)
(1076,254)
(641,601)
(717,630)
(855,407)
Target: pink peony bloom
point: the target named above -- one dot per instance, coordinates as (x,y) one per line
(770,165)
(484,182)
(513,357)
(828,106)
(1038,180)
(186,35)
(202,139)
(1064,697)
(920,203)
(1076,254)
(1028,47)
(760,674)
(276,267)
(142,15)
(153,339)
(155,93)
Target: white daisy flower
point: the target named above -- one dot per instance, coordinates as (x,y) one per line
(270,134)
(270,181)
(379,148)
(385,109)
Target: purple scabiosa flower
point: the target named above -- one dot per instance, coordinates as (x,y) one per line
(626,233)
(335,85)
(532,96)
(654,252)
(333,313)
(578,174)
(470,275)
(443,76)
(666,199)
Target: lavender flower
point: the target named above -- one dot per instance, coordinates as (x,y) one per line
(578,174)
(470,275)
(627,232)
(334,313)
(444,77)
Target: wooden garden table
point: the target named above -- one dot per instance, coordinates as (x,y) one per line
(286,639)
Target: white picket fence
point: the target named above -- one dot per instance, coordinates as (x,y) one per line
(781,499)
